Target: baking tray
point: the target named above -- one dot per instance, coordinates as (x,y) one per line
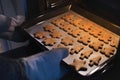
(69,60)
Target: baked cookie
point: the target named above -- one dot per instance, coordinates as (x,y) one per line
(49,28)
(62,46)
(49,41)
(76,49)
(40,34)
(56,34)
(79,64)
(96,45)
(88,27)
(95,61)
(96,32)
(105,37)
(85,39)
(77,22)
(108,51)
(86,54)
(67,27)
(76,32)
(115,42)
(58,22)
(68,17)
(67,41)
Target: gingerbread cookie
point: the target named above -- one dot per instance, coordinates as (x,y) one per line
(76,49)
(56,34)
(67,41)
(105,37)
(58,22)
(68,17)
(108,51)
(49,28)
(115,42)
(79,64)
(86,54)
(85,39)
(88,27)
(67,27)
(40,34)
(95,61)
(49,41)
(96,32)
(77,22)
(76,32)
(62,46)
(96,45)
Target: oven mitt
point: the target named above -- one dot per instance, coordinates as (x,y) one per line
(46,65)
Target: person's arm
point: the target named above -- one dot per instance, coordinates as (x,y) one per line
(46,65)
(8,24)
(11,69)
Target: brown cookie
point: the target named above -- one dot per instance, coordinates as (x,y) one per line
(85,39)
(76,33)
(62,46)
(115,42)
(86,54)
(88,27)
(76,49)
(40,34)
(49,41)
(56,34)
(77,22)
(79,64)
(96,45)
(49,28)
(108,51)
(95,61)
(68,17)
(105,37)
(96,32)
(67,41)
(67,27)
(58,22)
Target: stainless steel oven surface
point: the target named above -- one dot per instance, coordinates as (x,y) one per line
(91,45)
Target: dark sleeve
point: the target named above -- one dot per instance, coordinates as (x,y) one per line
(11,69)
(5,23)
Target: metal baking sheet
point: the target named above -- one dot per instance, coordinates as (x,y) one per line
(40,27)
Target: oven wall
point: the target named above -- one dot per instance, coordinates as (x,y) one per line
(107,9)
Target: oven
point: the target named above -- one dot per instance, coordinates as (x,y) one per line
(89,33)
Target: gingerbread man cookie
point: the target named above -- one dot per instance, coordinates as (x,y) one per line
(86,54)
(58,22)
(76,33)
(108,51)
(96,45)
(105,37)
(115,42)
(49,28)
(56,34)
(77,22)
(79,64)
(67,41)
(40,34)
(84,39)
(68,17)
(96,32)
(76,49)
(49,41)
(95,61)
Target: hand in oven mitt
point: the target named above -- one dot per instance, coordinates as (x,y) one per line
(46,65)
